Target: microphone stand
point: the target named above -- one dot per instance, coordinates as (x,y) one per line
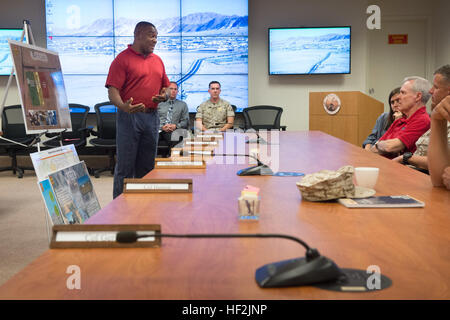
(313,268)
(258,140)
(260,169)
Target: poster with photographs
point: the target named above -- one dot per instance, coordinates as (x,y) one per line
(74,193)
(51,204)
(41,87)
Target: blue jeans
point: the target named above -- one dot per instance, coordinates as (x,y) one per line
(137,143)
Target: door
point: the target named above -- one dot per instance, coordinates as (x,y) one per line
(389,64)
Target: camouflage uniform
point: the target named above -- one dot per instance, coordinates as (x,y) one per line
(327,184)
(214,115)
(424,140)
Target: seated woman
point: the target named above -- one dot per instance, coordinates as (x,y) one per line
(385,120)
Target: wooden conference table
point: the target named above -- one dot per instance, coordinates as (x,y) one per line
(410,246)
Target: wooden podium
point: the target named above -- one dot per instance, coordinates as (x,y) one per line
(354,120)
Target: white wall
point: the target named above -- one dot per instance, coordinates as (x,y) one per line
(441,32)
(290,92)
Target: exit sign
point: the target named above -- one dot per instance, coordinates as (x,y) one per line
(398,39)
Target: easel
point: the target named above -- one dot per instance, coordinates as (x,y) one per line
(29,39)
(27,34)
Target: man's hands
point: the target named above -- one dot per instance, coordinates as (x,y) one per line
(397,115)
(442,110)
(129,107)
(169,127)
(446,178)
(162,96)
(398,159)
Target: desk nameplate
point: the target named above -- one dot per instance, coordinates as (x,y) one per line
(198,153)
(199,147)
(200,142)
(167,163)
(208,137)
(101,236)
(157,185)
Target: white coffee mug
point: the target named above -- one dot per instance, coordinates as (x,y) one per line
(366,176)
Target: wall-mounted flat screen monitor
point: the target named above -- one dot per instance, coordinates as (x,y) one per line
(6,63)
(312,50)
(198,40)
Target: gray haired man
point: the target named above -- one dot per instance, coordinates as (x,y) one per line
(404,132)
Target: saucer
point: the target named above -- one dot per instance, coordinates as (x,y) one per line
(362,192)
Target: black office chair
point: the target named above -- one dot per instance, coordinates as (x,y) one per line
(263,118)
(106,134)
(13,127)
(163,149)
(80,133)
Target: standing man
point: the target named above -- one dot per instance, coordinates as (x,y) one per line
(404,132)
(173,117)
(136,83)
(215,113)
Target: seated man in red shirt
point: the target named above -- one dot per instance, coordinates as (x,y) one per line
(404,132)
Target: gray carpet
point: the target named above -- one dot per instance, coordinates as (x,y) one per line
(23,231)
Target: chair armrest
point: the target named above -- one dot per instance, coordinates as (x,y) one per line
(92,131)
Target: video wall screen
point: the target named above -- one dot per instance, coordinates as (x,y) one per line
(198,40)
(6,62)
(314,50)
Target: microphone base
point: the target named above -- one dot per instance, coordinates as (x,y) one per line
(297,272)
(261,170)
(259,141)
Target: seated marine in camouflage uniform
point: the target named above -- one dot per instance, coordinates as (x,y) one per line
(215,113)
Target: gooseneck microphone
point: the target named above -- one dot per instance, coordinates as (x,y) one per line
(313,268)
(260,169)
(258,139)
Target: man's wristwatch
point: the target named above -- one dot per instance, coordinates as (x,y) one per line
(406,157)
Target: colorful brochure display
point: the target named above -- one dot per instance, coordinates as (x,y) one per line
(74,193)
(65,185)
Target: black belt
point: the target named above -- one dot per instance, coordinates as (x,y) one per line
(150,110)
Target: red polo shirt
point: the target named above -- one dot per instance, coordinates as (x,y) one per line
(137,76)
(408,130)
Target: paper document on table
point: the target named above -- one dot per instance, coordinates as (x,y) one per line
(402,201)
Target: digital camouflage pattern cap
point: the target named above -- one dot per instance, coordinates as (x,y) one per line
(328,185)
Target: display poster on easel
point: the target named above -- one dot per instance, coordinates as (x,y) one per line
(41,87)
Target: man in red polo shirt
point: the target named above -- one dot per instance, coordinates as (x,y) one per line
(136,83)
(404,132)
